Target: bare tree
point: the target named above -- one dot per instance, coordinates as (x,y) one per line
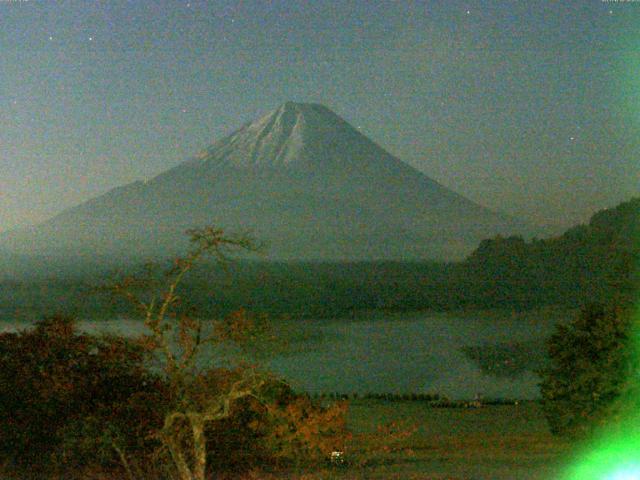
(177,339)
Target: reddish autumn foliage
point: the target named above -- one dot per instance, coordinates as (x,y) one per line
(301,431)
(276,428)
(67,398)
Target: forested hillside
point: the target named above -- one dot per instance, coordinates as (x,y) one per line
(589,262)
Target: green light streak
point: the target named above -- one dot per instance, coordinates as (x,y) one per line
(615,454)
(615,458)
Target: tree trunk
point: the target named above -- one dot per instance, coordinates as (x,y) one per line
(184,472)
(123,460)
(199,447)
(175,449)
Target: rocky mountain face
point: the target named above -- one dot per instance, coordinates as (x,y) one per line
(300,178)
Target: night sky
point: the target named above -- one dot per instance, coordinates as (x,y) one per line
(530,107)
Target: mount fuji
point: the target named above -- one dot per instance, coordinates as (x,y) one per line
(300,178)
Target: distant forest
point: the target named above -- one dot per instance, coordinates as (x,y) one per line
(588,263)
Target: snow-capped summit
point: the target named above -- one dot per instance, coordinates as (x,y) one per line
(294,135)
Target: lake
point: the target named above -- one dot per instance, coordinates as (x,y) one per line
(400,353)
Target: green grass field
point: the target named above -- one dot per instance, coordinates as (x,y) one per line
(488,443)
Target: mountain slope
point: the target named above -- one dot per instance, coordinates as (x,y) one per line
(301,178)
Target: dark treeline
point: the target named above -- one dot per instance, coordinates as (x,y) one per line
(434,400)
(588,263)
(392,397)
(311,290)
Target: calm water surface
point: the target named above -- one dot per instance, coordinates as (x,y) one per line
(399,353)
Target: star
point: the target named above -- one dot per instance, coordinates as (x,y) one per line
(468,12)
(90,39)
(50,37)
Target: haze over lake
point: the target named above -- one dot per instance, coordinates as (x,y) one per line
(397,353)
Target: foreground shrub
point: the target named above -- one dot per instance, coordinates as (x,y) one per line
(67,399)
(275,428)
(301,432)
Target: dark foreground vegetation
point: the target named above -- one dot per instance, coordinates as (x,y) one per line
(78,406)
(75,406)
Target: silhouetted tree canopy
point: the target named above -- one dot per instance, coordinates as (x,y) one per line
(592,363)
